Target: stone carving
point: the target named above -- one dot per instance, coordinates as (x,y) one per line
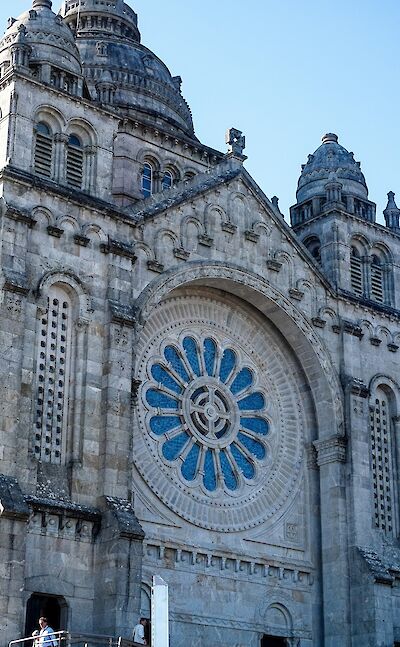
(235,141)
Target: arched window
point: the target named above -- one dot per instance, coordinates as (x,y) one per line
(356,272)
(147,180)
(377,286)
(43,159)
(383,461)
(75,156)
(314,247)
(53,371)
(189,175)
(167,181)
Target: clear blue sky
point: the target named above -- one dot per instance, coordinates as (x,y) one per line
(285,72)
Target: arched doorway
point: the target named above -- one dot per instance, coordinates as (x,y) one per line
(52,607)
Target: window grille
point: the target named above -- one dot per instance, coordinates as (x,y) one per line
(43,150)
(356,273)
(53,373)
(167,181)
(381,455)
(147,180)
(74,162)
(377,291)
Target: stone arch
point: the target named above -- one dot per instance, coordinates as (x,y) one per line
(82,129)
(213,213)
(94,228)
(71,284)
(51,116)
(253,289)
(43,215)
(189,222)
(69,222)
(278,620)
(162,252)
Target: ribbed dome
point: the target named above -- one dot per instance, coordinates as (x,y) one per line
(331,160)
(50,40)
(109,40)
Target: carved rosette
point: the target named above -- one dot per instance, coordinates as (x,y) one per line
(220,419)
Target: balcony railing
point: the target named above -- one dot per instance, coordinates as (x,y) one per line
(75,639)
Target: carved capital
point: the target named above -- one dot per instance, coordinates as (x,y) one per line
(331,450)
(357,387)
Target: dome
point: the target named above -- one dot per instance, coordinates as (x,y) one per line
(108,38)
(49,39)
(331,160)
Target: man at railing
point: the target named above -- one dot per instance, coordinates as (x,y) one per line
(46,634)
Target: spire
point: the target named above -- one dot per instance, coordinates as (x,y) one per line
(392,212)
(37,4)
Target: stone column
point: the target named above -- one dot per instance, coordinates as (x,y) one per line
(331,456)
(60,157)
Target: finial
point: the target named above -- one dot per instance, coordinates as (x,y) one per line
(36,4)
(329,138)
(392,212)
(236,141)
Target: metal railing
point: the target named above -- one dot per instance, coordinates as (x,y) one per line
(75,639)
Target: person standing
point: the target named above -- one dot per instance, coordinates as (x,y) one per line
(46,634)
(138,632)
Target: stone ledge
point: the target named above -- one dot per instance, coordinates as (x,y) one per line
(331,450)
(12,501)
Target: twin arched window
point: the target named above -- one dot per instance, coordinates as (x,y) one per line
(70,167)
(149,184)
(368,276)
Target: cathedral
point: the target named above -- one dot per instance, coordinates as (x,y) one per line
(190,387)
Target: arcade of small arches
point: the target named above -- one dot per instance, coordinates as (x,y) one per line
(154,178)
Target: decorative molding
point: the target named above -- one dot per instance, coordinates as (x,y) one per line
(382,573)
(294,293)
(352,328)
(205,240)
(252,236)
(375,341)
(226,564)
(357,387)
(15,281)
(52,230)
(20,215)
(83,241)
(118,248)
(331,450)
(155,266)
(122,314)
(181,253)
(63,519)
(274,265)
(318,322)
(393,348)
(312,457)
(228,227)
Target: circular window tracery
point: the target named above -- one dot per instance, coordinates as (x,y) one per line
(218,435)
(207,413)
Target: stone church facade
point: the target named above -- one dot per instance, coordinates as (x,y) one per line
(189,387)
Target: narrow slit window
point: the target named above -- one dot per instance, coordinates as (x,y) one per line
(356,272)
(43,150)
(74,162)
(167,181)
(147,180)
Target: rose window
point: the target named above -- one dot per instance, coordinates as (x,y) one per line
(207,414)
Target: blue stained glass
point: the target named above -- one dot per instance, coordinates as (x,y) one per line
(189,466)
(172,448)
(227,471)
(160,374)
(172,356)
(242,381)
(254,446)
(242,462)
(190,347)
(209,478)
(157,399)
(210,352)
(162,424)
(258,425)
(255,402)
(228,363)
